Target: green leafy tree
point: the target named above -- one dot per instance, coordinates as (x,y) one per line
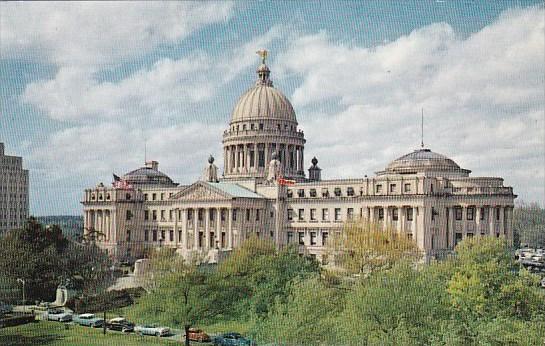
(362,247)
(180,294)
(529,224)
(44,258)
(307,317)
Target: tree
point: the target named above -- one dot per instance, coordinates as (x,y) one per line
(362,247)
(307,317)
(400,306)
(529,225)
(257,273)
(44,258)
(178,293)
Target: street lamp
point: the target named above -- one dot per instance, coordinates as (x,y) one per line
(21,281)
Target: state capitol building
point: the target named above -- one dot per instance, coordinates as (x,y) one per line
(423,195)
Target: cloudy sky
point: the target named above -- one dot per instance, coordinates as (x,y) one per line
(84,85)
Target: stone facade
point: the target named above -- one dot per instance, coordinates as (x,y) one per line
(13,192)
(423,195)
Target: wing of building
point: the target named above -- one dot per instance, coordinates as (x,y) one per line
(423,195)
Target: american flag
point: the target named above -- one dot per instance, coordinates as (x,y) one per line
(120,183)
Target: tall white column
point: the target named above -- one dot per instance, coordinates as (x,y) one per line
(184,229)
(218,232)
(502,221)
(491,213)
(464,220)
(230,228)
(196,228)
(207,227)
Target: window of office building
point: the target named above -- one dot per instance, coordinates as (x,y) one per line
(301,214)
(154,235)
(146,214)
(313,214)
(381,213)
(378,188)
(290,193)
(337,214)
(470,213)
(458,213)
(407,187)
(395,215)
(325,192)
(171,235)
(350,213)
(301,238)
(325,214)
(154,215)
(290,214)
(128,235)
(393,188)
(312,192)
(129,215)
(301,193)
(350,191)
(409,214)
(153,196)
(290,237)
(312,238)
(324,238)
(146,235)
(337,192)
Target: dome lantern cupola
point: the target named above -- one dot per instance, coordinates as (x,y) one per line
(263,71)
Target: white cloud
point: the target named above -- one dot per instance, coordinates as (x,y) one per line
(482,95)
(95,33)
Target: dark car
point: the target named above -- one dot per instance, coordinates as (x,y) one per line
(232,339)
(120,324)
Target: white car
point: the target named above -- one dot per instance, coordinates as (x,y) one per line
(58,315)
(152,330)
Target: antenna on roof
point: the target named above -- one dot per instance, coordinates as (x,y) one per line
(422,129)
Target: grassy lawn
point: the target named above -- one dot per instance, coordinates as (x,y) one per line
(54,333)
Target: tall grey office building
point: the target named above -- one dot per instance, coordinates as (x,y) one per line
(13,191)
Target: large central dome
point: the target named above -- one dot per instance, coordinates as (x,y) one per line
(263,102)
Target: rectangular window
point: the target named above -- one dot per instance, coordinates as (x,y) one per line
(350,191)
(395,215)
(200,214)
(128,235)
(433,213)
(378,188)
(290,193)
(312,192)
(497,214)
(458,238)
(325,214)
(324,238)
(325,193)
(154,215)
(163,235)
(235,214)
(407,187)
(247,214)
(337,214)
(470,213)
(301,193)
(162,215)
(261,158)
(393,188)
(171,214)
(301,214)
(129,215)
(146,235)
(257,214)
(146,214)
(171,235)
(162,196)
(145,197)
(481,217)
(301,238)
(290,214)
(381,213)
(337,192)
(154,235)
(290,237)
(350,213)
(154,197)
(409,214)
(458,213)
(312,214)
(312,238)
(252,157)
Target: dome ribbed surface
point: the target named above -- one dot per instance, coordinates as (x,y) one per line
(263,102)
(423,159)
(147,175)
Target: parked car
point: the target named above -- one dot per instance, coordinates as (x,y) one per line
(88,320)
(58,315)
(543,282)
(120,324)
(5,308)
(232,339)
(151,329)
(198,335)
